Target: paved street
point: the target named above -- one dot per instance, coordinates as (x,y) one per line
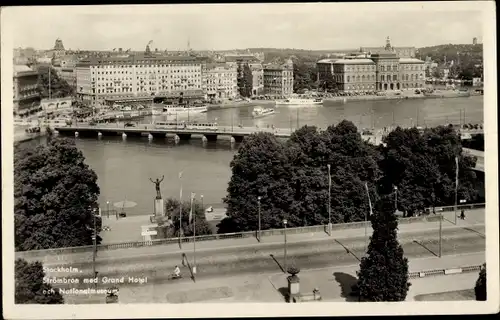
(269,258)
(333,283)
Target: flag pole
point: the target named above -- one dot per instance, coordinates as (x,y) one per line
(180,212)
(456,188)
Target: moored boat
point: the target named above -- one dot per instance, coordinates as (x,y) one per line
(259,112)
(299,101)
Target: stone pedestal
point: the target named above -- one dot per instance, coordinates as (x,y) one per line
(293,287)
(159,208)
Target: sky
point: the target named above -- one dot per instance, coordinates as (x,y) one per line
(331,26)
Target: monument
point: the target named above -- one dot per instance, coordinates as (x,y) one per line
(159,205)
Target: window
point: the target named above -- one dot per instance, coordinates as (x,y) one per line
(348,78)
(394,77)
(382,78)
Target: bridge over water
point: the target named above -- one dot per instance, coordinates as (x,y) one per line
(235,133)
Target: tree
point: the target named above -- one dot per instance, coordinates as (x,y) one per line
(58,87)
(304,75)
(329,83)
(245,79)
(30,288)
(260,168)
(172,210)
(437,73)
(55,194)
(383,274)
(480,288)
(422,166)
(292,179)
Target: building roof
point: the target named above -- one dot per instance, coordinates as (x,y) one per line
(136,59)
(386,54)
(214,65)
(328,60)
(410,60)
(19,68)
(354,61)
(246,57)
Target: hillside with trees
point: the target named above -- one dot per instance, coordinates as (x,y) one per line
(467,59)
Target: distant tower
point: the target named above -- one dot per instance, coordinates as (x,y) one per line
(59,45)
(388,46)
(474,41)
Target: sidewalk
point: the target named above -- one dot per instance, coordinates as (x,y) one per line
(333,283)
(240,243)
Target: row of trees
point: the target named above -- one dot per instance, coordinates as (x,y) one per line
(291,178)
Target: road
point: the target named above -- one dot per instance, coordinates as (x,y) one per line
(269,257)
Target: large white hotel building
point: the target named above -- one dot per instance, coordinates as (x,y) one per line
(142,76)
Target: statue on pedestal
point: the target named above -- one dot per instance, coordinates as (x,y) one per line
(157,185)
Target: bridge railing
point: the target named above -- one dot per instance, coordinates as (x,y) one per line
(212,237)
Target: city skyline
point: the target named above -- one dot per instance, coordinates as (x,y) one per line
(171,27)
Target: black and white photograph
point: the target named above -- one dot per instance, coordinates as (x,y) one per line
(265,159)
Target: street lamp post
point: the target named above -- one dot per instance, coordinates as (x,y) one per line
(94,239)
(366,215)
(258,202)
(194,236)
(456,188)
(107,207)
(285,222)
(396,198)
(329,201)
(440,234)
(180,211)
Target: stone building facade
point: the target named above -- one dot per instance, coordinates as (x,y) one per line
(278,79)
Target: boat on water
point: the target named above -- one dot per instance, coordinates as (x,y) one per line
(300,101)
(259,112)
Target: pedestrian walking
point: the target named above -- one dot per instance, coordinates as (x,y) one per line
(462,214)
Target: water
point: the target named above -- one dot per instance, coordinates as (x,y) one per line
(124,167)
